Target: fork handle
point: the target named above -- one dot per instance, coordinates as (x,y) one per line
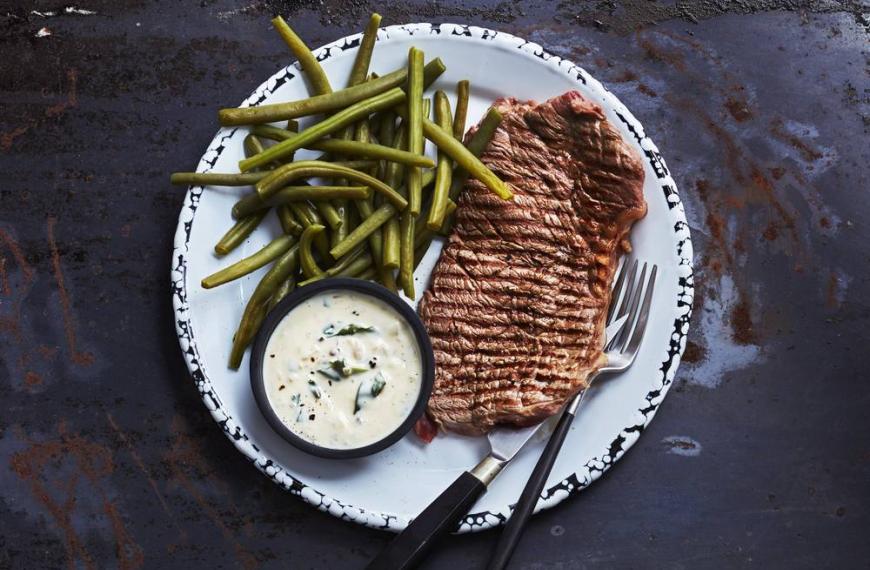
(513,531)
(439,518)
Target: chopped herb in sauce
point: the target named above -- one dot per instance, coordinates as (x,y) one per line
(378,385)
(329,373)
(315,389)
(297,401)
(357,402)
(346,330)
(374,389)
(345,370)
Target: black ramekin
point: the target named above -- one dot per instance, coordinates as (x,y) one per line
(341,284)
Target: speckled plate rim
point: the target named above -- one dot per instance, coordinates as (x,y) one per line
(551,496)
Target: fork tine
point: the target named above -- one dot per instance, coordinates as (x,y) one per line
(629,287)
(617,289)
(643,317)
(637,291)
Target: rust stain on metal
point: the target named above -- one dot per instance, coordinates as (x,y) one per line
(694,352)
(646,90)
(11,320)
(31,378)
(185,454)
(739,109)
(78,357)
(807,152)
(137,459)
(742,330)
(71,100)
(92,464)
(127,551)
(656,52)
(17,254)
(771,232)
(4,279)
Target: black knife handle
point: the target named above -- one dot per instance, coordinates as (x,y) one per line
(439,518)
(513,531)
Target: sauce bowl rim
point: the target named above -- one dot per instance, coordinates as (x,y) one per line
(294,299)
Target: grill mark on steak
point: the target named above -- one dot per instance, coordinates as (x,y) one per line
(518,299)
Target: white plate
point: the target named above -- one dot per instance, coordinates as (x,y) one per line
(387,490)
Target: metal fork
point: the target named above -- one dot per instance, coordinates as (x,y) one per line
(633,294)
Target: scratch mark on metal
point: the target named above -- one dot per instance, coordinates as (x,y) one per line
(78,357)
(142,467)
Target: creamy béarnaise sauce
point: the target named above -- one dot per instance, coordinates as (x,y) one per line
(342,369)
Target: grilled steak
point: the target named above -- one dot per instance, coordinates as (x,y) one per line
(518,299)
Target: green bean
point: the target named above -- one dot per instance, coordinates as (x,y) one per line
(365,209)
(270,252)
(406,256)
(366,206)
(308,216)
(361,165)
(362,135)
(420,250)
(288,223)
(216,178)
(292,126)
(356,267)
(437,210)
(363,59)
(456,150)
(388,280)
(306,258)
(464,158)
(252,202)
(358,75)
(368,274)
(255,310)
(341,266)
(350,147)
(237,234)
(461,110)
(320,104)
(476,145)
(362,140)
(328,126)
(447,225)
(391,244)
(394,172)
(328,213)
(315,74)
(343,263)
(296,193)
(341,206)
(423,235)
(415,127)
(386,132)
(362,231)
(244,179)
(310,168)
(283,290)
(252,145)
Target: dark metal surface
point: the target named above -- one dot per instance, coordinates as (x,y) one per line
(759,458)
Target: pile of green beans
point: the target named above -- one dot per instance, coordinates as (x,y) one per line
(383,200)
